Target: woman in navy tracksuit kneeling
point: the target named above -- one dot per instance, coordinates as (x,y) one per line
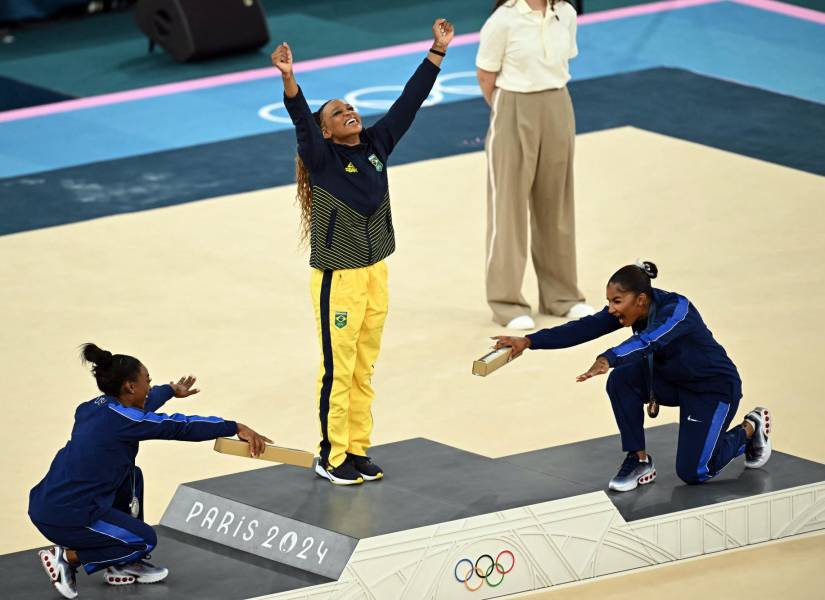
(90,503)
(673,360)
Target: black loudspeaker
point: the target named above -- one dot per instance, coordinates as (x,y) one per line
(196,29)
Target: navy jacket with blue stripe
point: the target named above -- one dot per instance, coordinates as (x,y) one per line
(86,473)
(684,351)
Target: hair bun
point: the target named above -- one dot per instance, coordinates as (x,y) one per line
(96,356)
(650,269)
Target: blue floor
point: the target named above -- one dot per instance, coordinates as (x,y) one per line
(677,103)
(726,40)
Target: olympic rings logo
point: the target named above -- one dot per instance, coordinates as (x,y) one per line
(483,568)
(359,101)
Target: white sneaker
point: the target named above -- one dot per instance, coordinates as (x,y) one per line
(59,571)
(577,311)
(140,571)
(758,450)
(521,322)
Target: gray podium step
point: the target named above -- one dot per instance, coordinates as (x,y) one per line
(592,463)
(427,484)
(197,570)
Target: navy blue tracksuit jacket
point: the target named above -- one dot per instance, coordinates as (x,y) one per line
(674,358)
(683,348)
(85,475)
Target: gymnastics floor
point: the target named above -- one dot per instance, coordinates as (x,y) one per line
(180,247)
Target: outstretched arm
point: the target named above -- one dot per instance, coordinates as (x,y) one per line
(391,127)
(563,336)
(672,322)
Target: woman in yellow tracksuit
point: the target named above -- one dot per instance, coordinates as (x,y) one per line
(345,212)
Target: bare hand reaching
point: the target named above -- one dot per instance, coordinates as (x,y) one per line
(282,59)
(518,344)
(600,367)
(183,388)
(257,442)
(443,33)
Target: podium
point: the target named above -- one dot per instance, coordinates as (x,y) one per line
(443,516)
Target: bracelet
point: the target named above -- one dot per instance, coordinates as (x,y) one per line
(438,52)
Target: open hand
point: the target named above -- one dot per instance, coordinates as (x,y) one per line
(518,344)
(183,387)
(282,58)
(443,33)
(600,367)
(257,442)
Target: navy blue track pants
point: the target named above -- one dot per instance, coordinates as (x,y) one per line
(116,538)
(705,444)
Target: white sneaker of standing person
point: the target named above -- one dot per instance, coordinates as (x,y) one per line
(521,322)
(577,311)
(139,571)
(59,571)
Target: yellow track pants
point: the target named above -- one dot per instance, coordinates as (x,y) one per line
(350,309)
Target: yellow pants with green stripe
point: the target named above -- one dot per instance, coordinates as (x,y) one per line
(350,309)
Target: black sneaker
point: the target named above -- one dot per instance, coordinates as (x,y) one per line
(343,474)
(364,465)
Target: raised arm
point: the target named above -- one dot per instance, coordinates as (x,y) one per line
(311,142)
(392,126)
(158,396)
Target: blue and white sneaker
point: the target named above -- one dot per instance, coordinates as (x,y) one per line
(139,571)
(633,473)
(61,573)
(758,450)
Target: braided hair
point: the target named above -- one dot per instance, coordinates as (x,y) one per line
(303,195)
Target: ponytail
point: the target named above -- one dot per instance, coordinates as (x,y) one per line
(110,370)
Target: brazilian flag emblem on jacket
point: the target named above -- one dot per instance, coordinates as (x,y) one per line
(376,162)
(340,319)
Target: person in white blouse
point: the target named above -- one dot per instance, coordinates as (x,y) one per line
(522,68)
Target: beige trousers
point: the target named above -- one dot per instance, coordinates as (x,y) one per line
(530,147)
